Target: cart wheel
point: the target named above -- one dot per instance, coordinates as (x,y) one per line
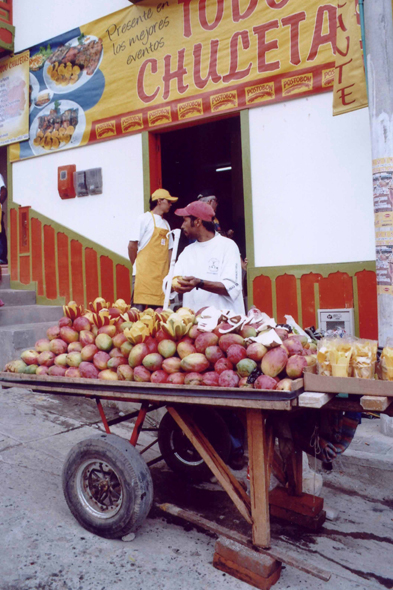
(178,452)
(107,486)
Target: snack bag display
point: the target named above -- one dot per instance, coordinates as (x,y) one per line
(334,356)
(387,362)
(364,357)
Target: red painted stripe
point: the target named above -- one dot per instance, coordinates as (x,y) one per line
(92,290)
(50,262)
(14,271)
(24,270)
(77,273)
(307,283)
(36,252)
(286,298)
(336,291)
(63,266)
(123,287)
(107,291)
(367,302)
(262,292)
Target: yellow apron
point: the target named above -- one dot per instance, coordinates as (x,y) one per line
(152,265)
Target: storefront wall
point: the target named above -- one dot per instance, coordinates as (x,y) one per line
(313,212)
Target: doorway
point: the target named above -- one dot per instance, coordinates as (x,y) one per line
(207,157)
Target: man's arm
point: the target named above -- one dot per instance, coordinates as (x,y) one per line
(132,251)
(3,194)
(187,284)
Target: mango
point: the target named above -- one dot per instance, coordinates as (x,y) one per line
(108,330)
(126,348)
(159,376)
(31,369)
(68,334)
(223,364)
(171,365)
(284,385)
(185,348)
(30,357)
(81,323)
(88,370)
(65,321)
(100,360)
(42,370)
(55,371)
(104,342)
(193,379)
(75,347)
(61,360)
(137,354)
(153,361)
(116,361)
(236,353)
(74,359)
(88,352)
(86,337)
(141,374)
(265,382)
(18,366)
(256,351)
(204,340)
(245,367)
(46,358)
(42,345)
(167,348)
(196,362)
(108,375)
(248,332)
(53,332)
(210,379)
(125,373)
(228,378)
(293,346)
(73,373)
(244,383)
(295,366)
(176,378)
(274,361)
(119,340)
(228,339)
(213,354)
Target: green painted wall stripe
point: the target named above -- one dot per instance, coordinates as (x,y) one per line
(146,170)
(247,186)
(316,302)
(323,269)
(356,304)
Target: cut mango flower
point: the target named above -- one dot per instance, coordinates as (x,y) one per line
(72,310)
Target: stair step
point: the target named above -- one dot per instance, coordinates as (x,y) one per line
(27,314)
(14,297)
(5,282)
(16,338)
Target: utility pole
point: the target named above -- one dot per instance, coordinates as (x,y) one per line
(379,55)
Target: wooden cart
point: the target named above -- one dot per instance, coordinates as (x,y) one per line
(178,400)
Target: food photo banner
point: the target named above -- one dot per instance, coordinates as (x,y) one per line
(14,99)
(160,63)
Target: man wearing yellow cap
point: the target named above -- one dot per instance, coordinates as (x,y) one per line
(148,251)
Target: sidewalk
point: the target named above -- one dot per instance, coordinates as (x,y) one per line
(44,548)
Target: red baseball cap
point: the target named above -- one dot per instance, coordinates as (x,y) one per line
(197,209)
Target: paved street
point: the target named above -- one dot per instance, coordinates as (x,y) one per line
(42,547)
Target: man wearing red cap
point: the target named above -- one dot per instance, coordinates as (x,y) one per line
(209,270)
(148,251)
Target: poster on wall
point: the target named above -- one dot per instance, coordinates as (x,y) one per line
(14,99)
(383,214)
(161,63)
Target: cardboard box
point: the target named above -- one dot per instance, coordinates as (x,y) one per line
(352,385)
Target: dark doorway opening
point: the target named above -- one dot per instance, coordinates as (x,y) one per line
(202,157)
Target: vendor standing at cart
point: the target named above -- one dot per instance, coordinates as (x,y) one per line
(149,251)
(213,260)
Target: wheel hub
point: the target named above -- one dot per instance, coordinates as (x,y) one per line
(99,489)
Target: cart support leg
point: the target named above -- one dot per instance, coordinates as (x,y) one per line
(259,483)
(102,414)
(139,423)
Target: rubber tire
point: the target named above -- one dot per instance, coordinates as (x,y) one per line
(215,430)
(134,477)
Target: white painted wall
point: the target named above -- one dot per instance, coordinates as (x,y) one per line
(42,20)
(105,218)
(311,184)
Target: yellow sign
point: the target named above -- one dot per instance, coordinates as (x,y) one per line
(157,63)
(350,91)
(14,98)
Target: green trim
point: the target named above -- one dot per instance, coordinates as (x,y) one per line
(247,185)
(146,170)
(351,268)
(11,29)
(356,304)
(316,302)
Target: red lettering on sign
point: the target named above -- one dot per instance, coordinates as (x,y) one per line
(274,4)
(265,46)
(140,84)
(248,12)
(234,73)
(319,38)
(344,95)
(186,17)
(212,73)
(293,21)
(340,68)
(203,17)
(177,74)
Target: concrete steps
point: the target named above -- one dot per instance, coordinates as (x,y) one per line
(22,321)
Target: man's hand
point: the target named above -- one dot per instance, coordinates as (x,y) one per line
(186,284)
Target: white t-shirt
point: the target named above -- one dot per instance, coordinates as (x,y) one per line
(216,260)
(142,230)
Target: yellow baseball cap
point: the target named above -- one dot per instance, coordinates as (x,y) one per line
(161,193)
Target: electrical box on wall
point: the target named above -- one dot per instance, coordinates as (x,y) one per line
(330,319)
(80,183)
(65,181)
(94,181)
